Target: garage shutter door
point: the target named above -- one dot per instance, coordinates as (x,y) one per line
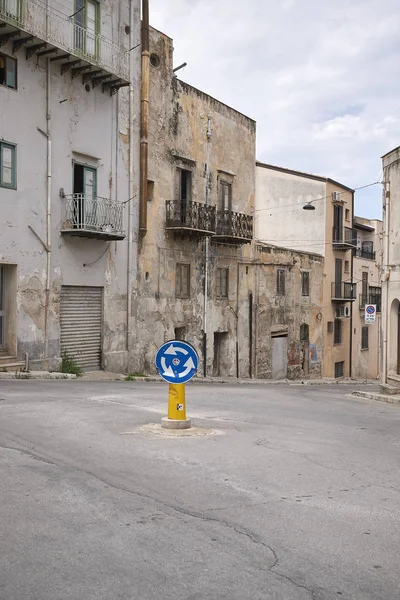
(81,319)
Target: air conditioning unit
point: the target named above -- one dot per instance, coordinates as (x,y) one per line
(336,196)
(342,312)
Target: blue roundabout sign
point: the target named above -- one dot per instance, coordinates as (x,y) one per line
(177,361)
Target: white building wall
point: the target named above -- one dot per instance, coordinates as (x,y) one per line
(279,216)
(94,128)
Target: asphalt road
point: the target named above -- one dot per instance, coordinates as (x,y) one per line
(296,495)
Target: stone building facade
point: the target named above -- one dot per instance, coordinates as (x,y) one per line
(69,167)
(199,224)
(199,269)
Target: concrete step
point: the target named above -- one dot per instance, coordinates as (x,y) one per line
(389,389)
(11,366)
(395,378)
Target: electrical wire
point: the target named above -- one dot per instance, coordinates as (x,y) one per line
(362,187)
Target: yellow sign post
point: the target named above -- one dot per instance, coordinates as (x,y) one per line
(177,402)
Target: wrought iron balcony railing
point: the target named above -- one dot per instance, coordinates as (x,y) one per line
(190,217)
(344,238)
(48,27)
(365,253)
(373,296)
(96,217)
(344,291)
(234,227)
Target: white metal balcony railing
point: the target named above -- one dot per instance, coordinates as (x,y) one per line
(55,28)
(92,217)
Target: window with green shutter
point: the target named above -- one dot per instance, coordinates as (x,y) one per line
(8,71)
(8,167)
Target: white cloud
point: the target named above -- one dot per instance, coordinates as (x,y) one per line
(320,77)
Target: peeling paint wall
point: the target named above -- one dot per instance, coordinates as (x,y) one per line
(178,138)
(284,314)
(89,127)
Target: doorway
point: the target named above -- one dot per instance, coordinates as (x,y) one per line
(220,339)
(279,357)
(305,348)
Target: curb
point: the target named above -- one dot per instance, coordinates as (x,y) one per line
(36,375)
(378,397)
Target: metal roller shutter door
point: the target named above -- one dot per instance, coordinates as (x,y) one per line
(81,324)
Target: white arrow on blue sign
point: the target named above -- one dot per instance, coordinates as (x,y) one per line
(177,361)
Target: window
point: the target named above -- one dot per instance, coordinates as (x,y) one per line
(305,283)
(364,286)
(304,333)
(339,369)
(222,283)
(337,331)
(182,280)
(8,167)
(364,338)
(280,282)
(346,266)
(87,20)
(330,327)
(347,214)
(179,333)
(150,190)
(8,71)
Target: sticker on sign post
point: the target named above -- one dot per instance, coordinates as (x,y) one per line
(370,314)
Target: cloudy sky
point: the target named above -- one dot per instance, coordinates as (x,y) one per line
(320,77)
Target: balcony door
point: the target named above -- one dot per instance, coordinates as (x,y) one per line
(338,277)
(85,191)
(86,27)
(225,203)
(184,192)
(364,289)
(337,223)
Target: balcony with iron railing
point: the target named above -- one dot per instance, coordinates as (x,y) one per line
(45,31)
(372,296)
(92,217)
(233,228)
(190,218)
(364,253)
(343,291)
(344,238)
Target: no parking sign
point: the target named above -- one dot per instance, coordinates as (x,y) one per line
(370,314)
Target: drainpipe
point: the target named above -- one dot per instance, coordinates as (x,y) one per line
(206,250)
(351,303)
(386,276)
(131,189)
(144,118)
(237,320)
(48,216)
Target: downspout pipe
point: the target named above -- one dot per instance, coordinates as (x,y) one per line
(351,303)
(206,249)
(131,192)
(144,118)
(385,278)
(48,215)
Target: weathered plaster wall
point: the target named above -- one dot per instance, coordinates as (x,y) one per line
(178,138)
(92,128)
(286,313)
